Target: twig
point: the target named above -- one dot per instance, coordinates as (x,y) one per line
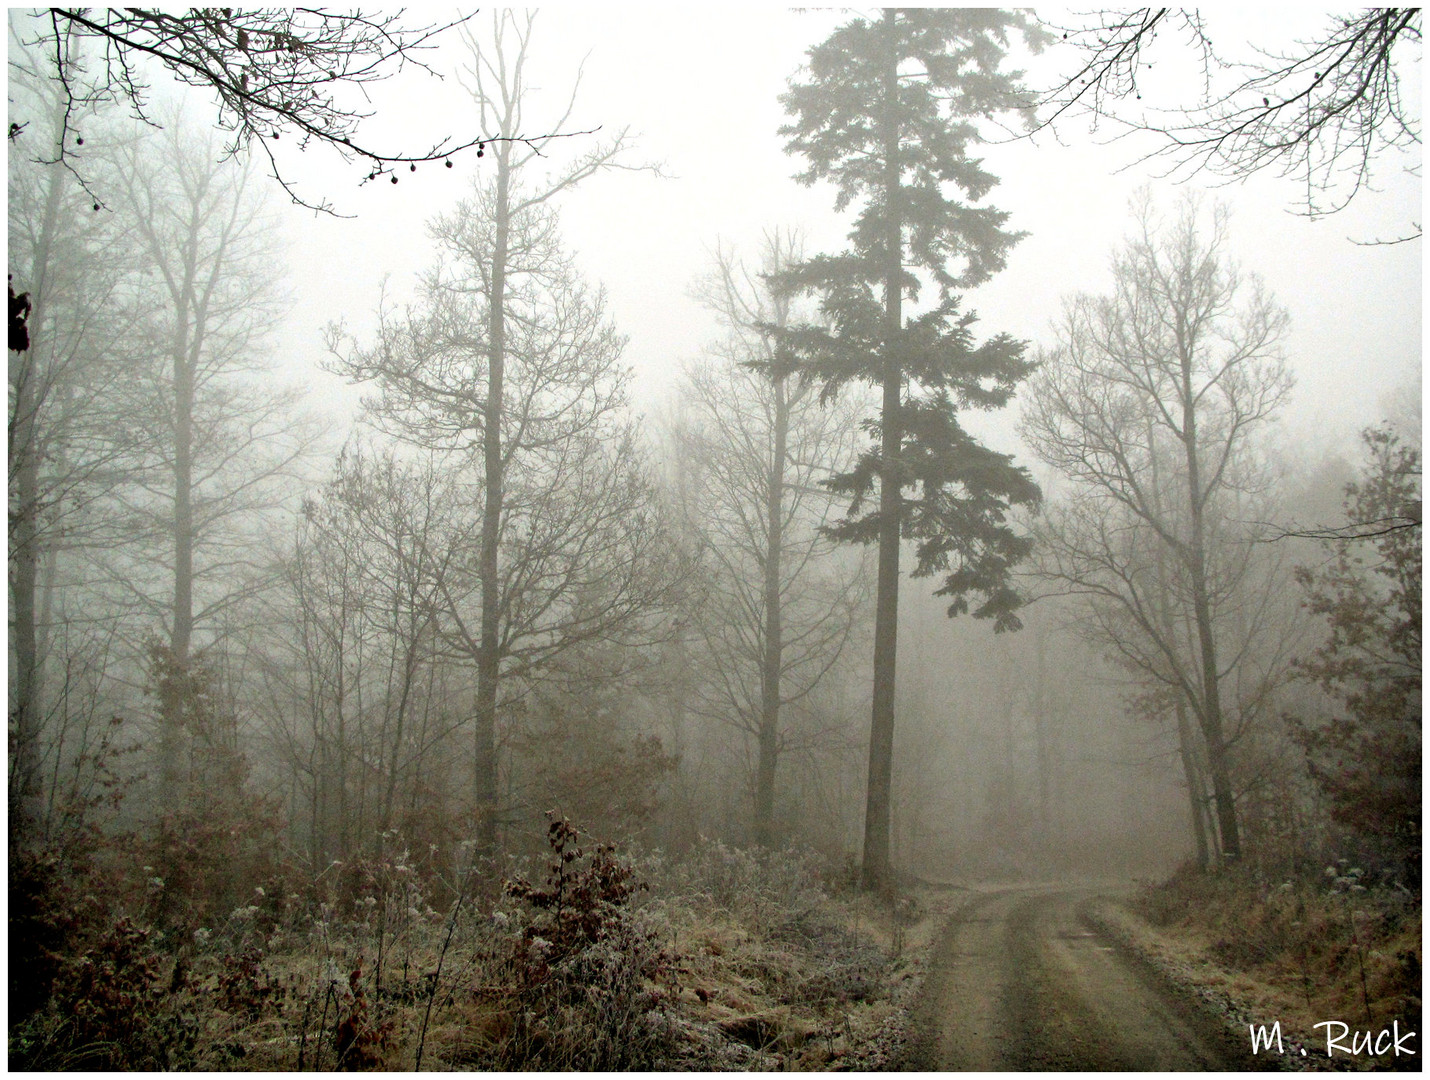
(1360,958)
(437,979)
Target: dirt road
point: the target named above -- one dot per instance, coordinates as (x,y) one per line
(1022,980)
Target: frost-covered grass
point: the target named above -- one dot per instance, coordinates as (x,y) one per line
(587,959)
(1302,951)
(779,960)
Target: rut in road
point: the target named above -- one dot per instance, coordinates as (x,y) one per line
(1021,980)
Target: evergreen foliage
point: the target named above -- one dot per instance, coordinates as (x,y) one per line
(888,115)
(1367,760)
(901,147)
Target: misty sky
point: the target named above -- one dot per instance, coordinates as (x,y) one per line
(700,88)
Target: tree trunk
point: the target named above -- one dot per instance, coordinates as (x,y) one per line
(171,719)
(772,659)
(1194,782)
(876,869)
(340,714)
(1186,744)
(26,452)
(1010,838)
(1211,717)
(489,659)
(1042,735)
(24,558)
(316,806)
(393,749)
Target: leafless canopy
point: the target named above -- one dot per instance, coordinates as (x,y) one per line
(1320,109)
(275,72)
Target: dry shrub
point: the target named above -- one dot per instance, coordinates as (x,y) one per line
(569,968)
(245,986)
(582,980)
(115,988)
(45,914)
(360,1038)
(1169,903)
(110,1011)
(68,872)
(209,856)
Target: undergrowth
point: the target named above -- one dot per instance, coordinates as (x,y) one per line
(581,979)
(591,959)
(1336,945)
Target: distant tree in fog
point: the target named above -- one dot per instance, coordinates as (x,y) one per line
(139,448)
(358,702)
(508,362)
(1150,404)
(67,441)
(888,114)
(778,606)
(214,443)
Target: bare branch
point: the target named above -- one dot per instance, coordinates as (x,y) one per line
(274,72)
(1323,109)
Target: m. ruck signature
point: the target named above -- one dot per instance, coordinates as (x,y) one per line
(1360,1044)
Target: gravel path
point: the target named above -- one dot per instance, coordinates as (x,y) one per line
(1024,979)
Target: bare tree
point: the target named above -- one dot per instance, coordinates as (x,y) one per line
(1150,405)
(354,689)
(66,441)
(1322,109)
(508,358)
(779,605)
(216,444)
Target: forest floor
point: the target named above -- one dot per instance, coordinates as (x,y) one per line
(721,959)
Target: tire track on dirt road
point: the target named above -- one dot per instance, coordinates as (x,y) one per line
(1022,979)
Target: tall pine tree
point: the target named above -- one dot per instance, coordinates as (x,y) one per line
(887,115)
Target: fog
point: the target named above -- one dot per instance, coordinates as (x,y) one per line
(407,524)
(647,238)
